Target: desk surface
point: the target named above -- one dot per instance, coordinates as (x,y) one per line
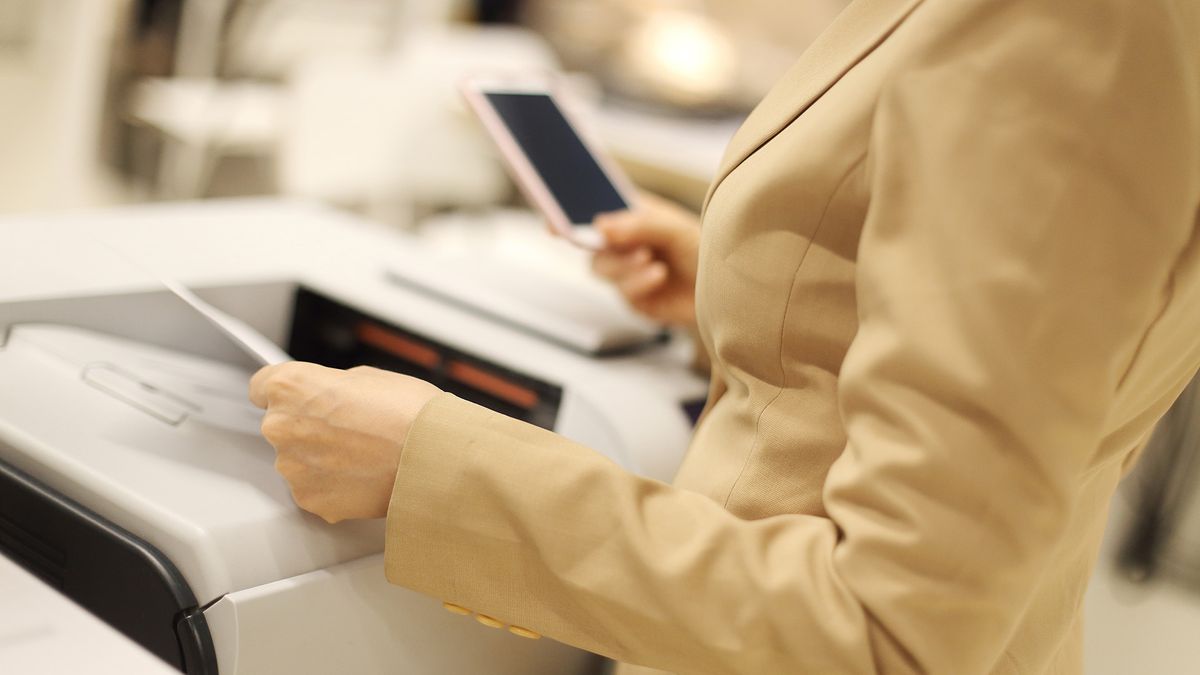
(41,631)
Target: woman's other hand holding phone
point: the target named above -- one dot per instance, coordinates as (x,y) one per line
(651,256)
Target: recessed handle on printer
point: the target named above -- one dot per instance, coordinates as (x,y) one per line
(131,390)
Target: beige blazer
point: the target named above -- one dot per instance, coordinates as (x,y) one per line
(950,279)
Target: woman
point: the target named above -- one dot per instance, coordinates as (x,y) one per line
(948,280)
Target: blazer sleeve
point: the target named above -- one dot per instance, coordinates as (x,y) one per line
(1029,196)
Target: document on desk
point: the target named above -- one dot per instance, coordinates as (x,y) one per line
(252,342)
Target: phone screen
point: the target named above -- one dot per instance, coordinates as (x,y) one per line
(560,158)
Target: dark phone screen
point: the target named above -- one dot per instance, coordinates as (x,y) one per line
(561,160)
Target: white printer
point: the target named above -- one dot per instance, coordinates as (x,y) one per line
(132,477)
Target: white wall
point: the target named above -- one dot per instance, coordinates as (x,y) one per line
(51,93)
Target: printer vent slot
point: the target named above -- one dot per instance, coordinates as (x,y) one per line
(32,552)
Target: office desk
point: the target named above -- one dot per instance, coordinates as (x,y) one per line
(41,631)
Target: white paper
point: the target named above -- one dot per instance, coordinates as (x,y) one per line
(251,341)
(254,343)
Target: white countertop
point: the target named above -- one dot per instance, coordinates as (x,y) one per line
(41,631)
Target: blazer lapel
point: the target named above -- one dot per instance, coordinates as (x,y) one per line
(858,30)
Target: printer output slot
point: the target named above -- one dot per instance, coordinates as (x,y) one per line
(333,334)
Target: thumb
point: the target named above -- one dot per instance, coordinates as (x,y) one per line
(631,229)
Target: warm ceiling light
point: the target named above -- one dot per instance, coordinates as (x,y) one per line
(682,56)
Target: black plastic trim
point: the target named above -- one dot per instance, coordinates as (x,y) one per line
(111,572)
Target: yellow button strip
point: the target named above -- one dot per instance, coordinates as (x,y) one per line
(524,632)
(489,621)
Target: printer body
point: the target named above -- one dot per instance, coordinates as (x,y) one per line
(132,476)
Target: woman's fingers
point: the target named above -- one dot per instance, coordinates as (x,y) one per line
(635,273)
(651,257)
(270,381)
(615,265)
(652,225)
(643,281)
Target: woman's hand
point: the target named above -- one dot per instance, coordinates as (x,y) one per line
(652,256)
(338,434)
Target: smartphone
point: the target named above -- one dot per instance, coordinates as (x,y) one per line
(560,171)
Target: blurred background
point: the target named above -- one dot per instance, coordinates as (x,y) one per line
(354,103)
(130,100)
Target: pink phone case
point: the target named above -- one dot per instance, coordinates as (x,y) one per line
(521,169)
